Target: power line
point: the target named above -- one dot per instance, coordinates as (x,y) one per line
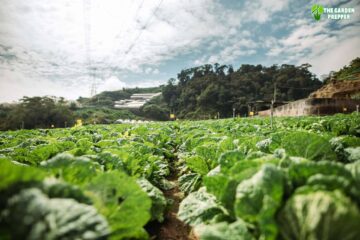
(138,9)
(136,16)
(91,71)
(132,45)
(87,33)
(121,33)
(142,29)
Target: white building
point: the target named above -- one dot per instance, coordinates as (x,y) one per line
(136,100)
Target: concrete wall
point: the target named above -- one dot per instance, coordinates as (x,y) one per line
(314,106)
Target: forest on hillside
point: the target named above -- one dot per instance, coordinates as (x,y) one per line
(210,90)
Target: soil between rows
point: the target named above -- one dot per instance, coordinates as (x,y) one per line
(171,228)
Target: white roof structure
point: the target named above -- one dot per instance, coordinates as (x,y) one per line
(129,121)
(136,100)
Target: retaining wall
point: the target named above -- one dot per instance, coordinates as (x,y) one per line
(314,106)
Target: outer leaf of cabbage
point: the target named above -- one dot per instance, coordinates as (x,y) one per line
(54,188)
(83,146)
(108,160)
(42,152)
(229,158)
(308,145)
(197,164)
(200,207)
(223,188)
(208,152)
(339,144)
(319,182)
(223,185)
(124,204)
(157,198)
(319,215)
(354,168)
(258,198)
(11,173)
(32,215)
(224,231)
(353,154)
(300,172)
(189,182)
(78,170)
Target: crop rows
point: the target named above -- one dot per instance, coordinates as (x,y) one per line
(238,179)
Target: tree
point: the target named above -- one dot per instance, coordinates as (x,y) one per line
(211,89)
(155,112)
(39,112)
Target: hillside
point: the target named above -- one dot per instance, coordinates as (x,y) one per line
(107,98)
(350,72)
(344,83)
(338,89)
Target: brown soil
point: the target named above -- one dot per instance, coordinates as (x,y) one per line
(339,89)
(172,228)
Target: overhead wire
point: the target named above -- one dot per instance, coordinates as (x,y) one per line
(91,72)
(121,33)
(142,29)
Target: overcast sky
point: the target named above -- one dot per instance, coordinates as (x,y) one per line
(47,47)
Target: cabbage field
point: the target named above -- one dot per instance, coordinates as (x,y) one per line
(217,179)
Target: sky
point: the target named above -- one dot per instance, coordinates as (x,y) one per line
(62,47)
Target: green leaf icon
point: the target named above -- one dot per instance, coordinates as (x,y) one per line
(317,10)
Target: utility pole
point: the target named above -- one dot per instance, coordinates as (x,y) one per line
(274,92)
(272,107)
(271,113)
(234,112)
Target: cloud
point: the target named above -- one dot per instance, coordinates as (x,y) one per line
(261,10)
(148,70)
(14,85)
(229,54)
(54,41)
(335,58)
(327,45)
(234,49)
(132,42)
(111,84)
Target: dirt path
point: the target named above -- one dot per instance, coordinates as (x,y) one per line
(172,228)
